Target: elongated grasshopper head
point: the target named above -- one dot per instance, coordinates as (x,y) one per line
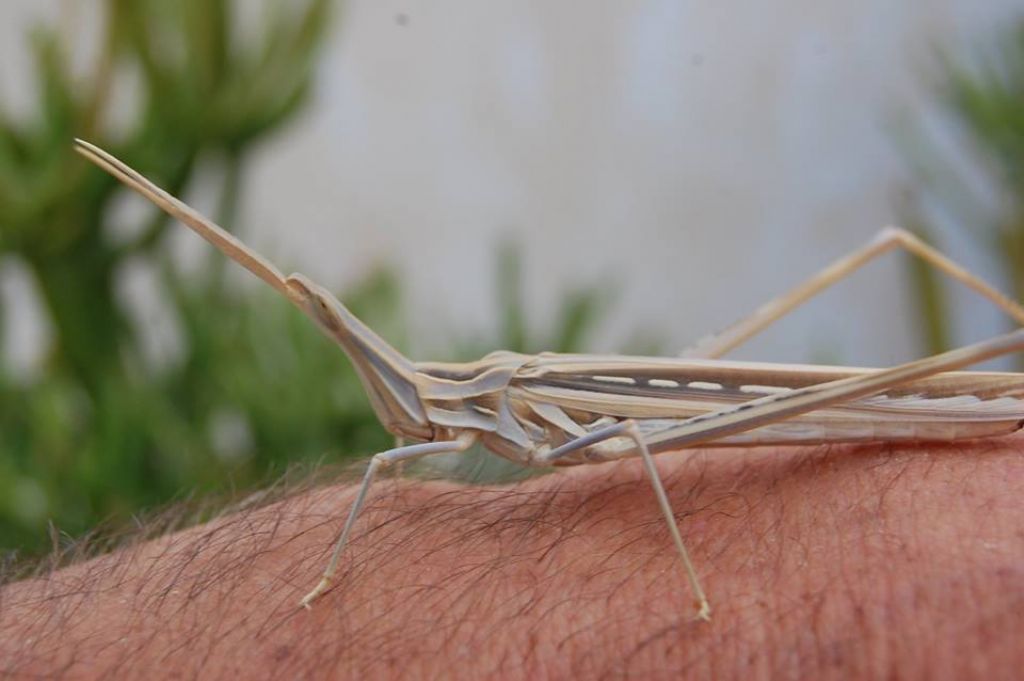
(389,378)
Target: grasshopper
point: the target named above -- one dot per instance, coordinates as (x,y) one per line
(559,409)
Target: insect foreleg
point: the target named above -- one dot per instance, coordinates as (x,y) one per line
(400,465)
(382,460)
(886,240)
(628,428)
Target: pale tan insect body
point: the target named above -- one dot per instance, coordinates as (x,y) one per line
(552,409)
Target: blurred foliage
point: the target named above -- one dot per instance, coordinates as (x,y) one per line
(103,431)
(979,189)
(573,323)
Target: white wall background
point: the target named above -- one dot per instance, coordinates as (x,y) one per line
(700,155)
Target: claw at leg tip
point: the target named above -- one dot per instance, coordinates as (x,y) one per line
(703,610)
(315,593)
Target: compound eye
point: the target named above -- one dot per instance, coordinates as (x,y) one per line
(324,314)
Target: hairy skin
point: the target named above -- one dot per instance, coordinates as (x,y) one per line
(838,562)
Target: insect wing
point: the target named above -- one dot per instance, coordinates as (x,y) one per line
(661,393)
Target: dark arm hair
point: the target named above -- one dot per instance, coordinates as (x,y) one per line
(841,562)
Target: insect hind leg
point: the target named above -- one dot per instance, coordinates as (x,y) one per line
(883,242)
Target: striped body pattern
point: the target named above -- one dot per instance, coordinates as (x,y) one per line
(558,410)
(524,406)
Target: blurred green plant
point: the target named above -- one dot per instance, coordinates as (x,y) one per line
(978,187)
(100,432)
(103,431)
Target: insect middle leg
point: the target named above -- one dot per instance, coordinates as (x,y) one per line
(384,459)
(628,428)
(886,240)
(761,411)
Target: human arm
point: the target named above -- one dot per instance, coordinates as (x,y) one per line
(849,562)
